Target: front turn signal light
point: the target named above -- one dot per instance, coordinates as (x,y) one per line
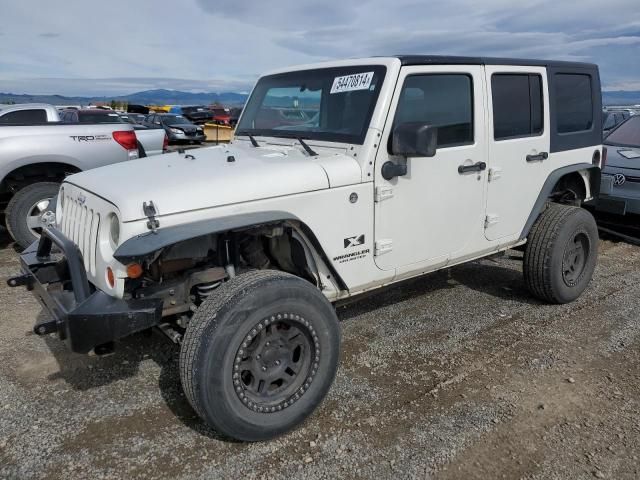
(134,270)
(111,278)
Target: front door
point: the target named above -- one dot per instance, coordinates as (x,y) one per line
(435,212)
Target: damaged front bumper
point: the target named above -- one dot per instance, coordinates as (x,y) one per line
(81,315)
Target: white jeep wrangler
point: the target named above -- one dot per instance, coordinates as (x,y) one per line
(343,177)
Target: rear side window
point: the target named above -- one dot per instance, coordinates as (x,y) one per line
(24,116)
(99,117)
(574,107)
(517,105)
(442,100)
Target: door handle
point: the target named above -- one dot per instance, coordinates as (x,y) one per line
(537,158)
(476,167)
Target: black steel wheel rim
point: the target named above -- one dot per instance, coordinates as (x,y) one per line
(276,363)
(574,261)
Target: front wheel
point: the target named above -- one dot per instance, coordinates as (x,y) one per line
(28,212)
(260,354)
(561,253)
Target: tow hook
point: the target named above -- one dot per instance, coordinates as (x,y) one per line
(45,328)
(21,280)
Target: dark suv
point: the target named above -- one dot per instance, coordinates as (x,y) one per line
(197,113)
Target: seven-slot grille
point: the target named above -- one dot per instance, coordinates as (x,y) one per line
(81,224)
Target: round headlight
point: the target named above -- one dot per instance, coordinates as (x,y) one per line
(114,229)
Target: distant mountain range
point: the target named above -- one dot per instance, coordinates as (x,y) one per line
(176,97)
(621,98)
(147,97)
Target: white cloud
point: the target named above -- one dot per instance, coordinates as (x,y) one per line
(119,46)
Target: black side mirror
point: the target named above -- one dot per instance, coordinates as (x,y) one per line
(414,139)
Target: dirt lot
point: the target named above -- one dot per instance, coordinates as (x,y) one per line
(456,375)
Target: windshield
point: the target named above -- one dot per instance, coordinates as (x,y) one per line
(99,117)
(627,134)
(332,104)
(174,120)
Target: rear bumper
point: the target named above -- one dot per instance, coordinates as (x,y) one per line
(82,316)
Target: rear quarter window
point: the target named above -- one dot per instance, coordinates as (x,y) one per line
(24,116)
(574,106)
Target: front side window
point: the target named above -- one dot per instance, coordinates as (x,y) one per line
(574,105)
(517,105)
(444,101)
(332,104)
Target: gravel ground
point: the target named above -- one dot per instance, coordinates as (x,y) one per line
(460,374)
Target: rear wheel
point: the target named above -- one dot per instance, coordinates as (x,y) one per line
(260,354)
(28,212)
(561,253)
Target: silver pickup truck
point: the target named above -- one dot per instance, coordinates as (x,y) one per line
(34,159)
(152,141)
(37,152)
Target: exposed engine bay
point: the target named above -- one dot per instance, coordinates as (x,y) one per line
(185,274)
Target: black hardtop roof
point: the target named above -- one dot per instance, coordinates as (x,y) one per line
(455,60)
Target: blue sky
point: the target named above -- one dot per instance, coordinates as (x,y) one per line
(88,47)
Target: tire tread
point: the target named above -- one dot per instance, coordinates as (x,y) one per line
(206,313)
(12,218)
(542,239)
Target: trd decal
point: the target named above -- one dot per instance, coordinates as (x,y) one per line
(354,241)
(88,138)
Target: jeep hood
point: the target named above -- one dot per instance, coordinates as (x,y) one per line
(215,176)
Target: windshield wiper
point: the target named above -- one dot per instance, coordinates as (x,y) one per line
(253,140)
(306,147)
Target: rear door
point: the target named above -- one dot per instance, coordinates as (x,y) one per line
(518,146)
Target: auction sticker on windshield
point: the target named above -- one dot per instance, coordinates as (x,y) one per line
(348,83)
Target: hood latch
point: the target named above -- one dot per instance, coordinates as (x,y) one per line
(150,212)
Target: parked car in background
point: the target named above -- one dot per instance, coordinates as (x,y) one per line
(196,113)
(150,141)
(28,114)
(136,119)
(611,119)
(177,127)
(620,183)
(221,115)
(234,115)
(134,108)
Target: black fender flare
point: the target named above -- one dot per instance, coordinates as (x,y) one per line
(551,182)
(144,246)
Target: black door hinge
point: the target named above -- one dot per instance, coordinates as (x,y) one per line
(150,212)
